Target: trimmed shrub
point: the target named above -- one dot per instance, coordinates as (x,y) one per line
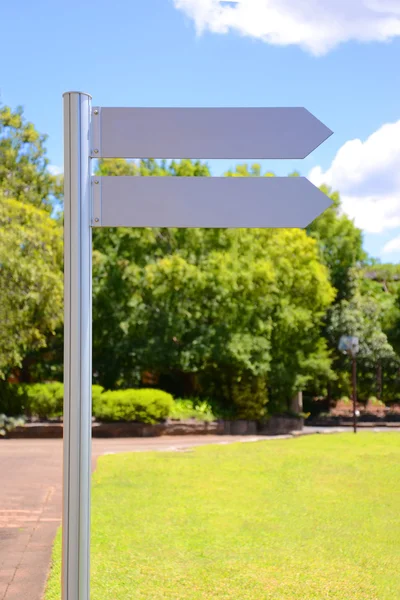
(40,400)
(97,390)
(145,405)
(44,400)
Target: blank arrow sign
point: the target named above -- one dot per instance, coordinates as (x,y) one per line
(206,133)
(206,202)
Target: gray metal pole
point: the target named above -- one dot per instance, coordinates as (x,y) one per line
(354,385)
(77,347)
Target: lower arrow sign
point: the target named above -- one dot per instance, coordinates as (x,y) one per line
(206,202)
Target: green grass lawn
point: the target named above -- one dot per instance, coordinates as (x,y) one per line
(311,518)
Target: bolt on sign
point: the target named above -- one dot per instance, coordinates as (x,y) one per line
(98,132)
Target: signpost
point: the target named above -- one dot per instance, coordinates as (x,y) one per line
(206,202)
(206,132)
(156,202)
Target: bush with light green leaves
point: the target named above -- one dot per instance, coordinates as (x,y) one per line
(145,405)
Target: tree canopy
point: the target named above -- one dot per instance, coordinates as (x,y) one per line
(30,242)
(24,173)
(233,306)
(340,243)
(247,317)
(30,280)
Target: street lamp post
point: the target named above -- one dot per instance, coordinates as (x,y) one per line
(349,345)
(354,385)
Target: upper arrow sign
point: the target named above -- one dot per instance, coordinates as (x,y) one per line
(240,133)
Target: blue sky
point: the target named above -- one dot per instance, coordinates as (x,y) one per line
(338,59)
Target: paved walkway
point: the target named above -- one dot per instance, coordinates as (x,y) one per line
(31,499)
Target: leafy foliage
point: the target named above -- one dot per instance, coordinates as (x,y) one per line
(13,400)
(39,400)
(364,306)
(250,317)
(141,405)
(340,244)
(23,164)
(44,400)
(360,317)
(208,302)
(97,390)
(192,409)
(30,280)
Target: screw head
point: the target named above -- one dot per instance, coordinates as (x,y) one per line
(96,151)
(96,220)
(96,112)
(96,181)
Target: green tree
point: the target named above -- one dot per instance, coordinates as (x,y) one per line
(300,355)
(200,318)
(26,182)
(245,170)
(382,282)
(340,243)
(240,315)
(361,317)
(301,359)
(339,240)
(24,173)
(30,280)
(115,251)
(205,301)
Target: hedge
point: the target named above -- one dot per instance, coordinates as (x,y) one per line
(40,400)
(45,401)
(145,405)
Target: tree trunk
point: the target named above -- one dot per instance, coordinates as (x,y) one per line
(297,403)
(25,375)
(379,381)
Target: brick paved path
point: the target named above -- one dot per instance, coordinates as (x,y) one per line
(30,505)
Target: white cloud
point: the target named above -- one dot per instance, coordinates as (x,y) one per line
(392,246)
(367,175)
(315,25)
(55,170)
